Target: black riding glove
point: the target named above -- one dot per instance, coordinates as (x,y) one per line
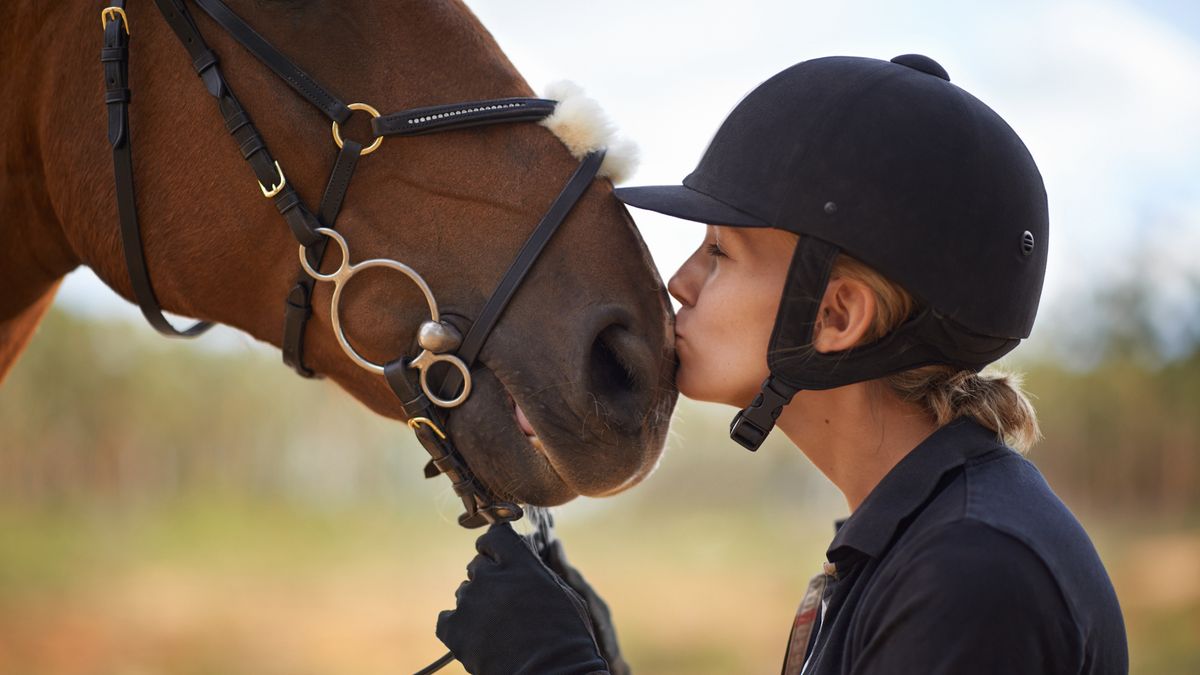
(515,616)
(602,625)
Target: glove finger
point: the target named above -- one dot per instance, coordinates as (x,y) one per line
(600,616)
(460,591)
(501,543)
(480,564)
(445,625)
(556,558)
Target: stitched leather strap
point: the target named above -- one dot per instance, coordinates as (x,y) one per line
(254,150)
(486,321)
(298,306)
(481,506)
(461,115)
(306,86)
(115,59)
(339,181)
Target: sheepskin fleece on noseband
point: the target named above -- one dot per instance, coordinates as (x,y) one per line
(582,126)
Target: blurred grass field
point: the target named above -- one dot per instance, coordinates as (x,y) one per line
(226,588)
(168,510)
(221,586)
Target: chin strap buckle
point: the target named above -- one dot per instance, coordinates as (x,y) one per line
(751,425)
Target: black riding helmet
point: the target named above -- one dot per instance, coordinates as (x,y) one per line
(890,163)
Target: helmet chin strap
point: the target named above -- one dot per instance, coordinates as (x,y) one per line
(925,338)
(807,277)
(751,426)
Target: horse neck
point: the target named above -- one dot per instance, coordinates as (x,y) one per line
(57,205)
(34,251)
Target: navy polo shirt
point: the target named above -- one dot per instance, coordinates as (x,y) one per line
(962,560)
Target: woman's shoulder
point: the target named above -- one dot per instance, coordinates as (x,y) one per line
(998,540)
(964,596)
(1009,495)
(1002,490)
(971,559)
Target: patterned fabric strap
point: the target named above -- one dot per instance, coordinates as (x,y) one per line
(806,616)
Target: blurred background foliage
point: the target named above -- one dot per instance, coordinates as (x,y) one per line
(167,508)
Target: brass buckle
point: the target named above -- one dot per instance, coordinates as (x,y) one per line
(337,132)
(275,189)
(418,421)
(110,14)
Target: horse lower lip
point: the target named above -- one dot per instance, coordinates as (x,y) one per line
(523,421)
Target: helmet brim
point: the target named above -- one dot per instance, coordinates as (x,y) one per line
(682,201)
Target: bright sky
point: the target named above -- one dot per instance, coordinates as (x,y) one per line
(1104,92)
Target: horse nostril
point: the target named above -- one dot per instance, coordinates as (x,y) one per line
(613,377)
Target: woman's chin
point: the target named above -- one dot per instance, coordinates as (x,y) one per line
(701,390)
(707,391)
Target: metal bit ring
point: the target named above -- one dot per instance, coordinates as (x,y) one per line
(426,359)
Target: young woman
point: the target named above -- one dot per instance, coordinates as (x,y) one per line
(875,237)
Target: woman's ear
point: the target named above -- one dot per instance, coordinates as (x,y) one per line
(845,317)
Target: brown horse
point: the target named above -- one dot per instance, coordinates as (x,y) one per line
(585,349)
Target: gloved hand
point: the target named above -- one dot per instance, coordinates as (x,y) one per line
(602,625)
(516,616)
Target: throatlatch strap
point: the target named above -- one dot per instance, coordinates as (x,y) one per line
(115,59)
(486,321)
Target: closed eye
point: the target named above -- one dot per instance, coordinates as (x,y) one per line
(715,251)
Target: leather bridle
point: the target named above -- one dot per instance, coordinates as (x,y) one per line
(440,341)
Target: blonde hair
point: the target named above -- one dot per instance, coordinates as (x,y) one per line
(993,398)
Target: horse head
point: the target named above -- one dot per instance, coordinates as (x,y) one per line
(582,356)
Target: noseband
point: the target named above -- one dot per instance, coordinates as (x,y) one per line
(440,342)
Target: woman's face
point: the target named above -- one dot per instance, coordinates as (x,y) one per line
(729,290)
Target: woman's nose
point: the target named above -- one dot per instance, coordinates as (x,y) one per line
(677,289)
(685,284)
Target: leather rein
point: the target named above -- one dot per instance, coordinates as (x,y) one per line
(425,404)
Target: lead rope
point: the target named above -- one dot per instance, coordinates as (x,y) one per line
(446,660)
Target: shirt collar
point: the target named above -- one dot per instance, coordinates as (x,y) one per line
(909,483)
